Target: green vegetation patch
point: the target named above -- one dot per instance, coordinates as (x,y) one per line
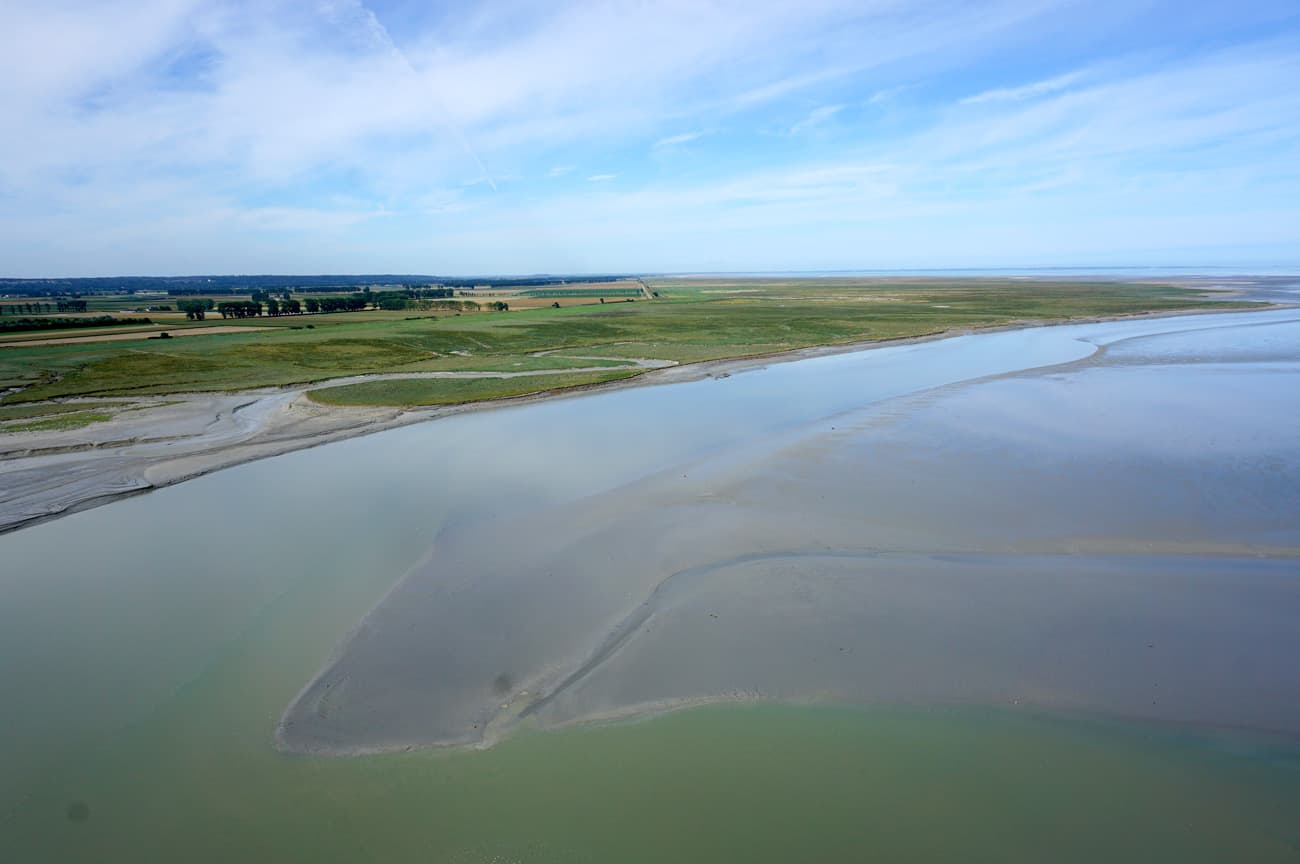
(451,391)
(692,321)
(59,422)
(525,363)
(335,353)
(20,325)
(122,372)
(25,412)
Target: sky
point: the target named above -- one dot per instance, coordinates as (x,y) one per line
(166,137)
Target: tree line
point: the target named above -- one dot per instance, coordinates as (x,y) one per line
(183,286)
(18,325)
(60,305)
(351,303)
(274,307)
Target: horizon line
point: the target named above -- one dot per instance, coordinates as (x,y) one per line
(1185,269)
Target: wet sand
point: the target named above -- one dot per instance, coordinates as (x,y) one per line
(1116,534)
(151,646)
(176,437)
(167,439)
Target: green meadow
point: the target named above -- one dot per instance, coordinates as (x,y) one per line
(692,320)
(443,391)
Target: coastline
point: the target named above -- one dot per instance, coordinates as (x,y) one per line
(245,426)
(773,560)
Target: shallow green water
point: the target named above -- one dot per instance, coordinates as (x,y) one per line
(148,648)
(755,783)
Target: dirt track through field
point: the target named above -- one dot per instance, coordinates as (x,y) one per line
(134,334)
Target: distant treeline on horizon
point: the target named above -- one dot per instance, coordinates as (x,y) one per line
(192,285)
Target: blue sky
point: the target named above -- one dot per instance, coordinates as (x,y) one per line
(176,136)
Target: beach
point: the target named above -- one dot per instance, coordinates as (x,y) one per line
(1051,538)
(167,439)
(1057,558)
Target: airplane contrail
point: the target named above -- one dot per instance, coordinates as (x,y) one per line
(381,34)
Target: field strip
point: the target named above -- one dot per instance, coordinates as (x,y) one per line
(643,363)
(135,334)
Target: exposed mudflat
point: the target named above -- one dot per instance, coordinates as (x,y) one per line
(166,439)
(170,438)
(1116,529)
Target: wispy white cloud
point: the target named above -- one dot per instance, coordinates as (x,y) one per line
(815,117)
(773,90)
(1025,91)
(676,140)
(202,133)
(881,97)
(1119,167)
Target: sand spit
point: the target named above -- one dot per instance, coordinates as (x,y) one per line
(1118,534)
(176,437)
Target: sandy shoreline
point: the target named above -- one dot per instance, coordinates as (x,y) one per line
(985,541)
(182,436)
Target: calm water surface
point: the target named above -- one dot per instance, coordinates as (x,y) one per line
(148,648)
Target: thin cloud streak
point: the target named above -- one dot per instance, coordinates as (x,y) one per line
(1026,91)
(676,140)
(381,35)
(816,117)
(204,137)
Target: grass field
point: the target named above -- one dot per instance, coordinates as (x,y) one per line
(57,422)
(26,412)
(452,391)
(694,320)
